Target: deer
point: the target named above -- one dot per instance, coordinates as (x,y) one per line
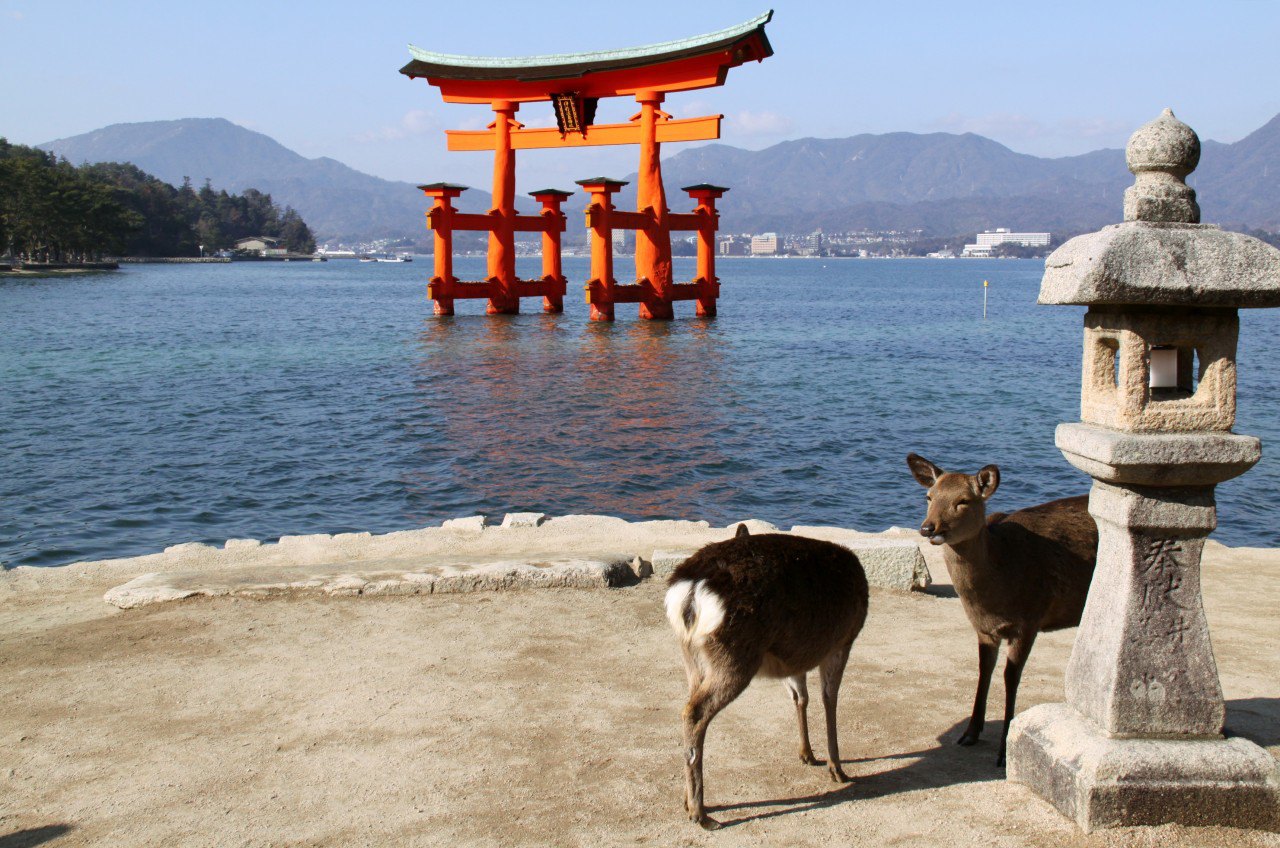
(1017,574)
(770,605)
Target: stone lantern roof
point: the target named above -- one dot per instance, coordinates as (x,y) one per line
(1161,255)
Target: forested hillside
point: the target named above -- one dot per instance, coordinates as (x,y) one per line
(51,210)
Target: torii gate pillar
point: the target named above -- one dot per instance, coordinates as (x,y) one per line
(653,243)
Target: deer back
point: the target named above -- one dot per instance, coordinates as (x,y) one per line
(1045,556)
(784,596)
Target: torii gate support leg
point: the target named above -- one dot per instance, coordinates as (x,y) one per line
(708,222)
(440,221)
(552,269)
(502,238)
(653,243)
(599,288)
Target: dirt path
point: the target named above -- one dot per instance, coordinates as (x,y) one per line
(542,717)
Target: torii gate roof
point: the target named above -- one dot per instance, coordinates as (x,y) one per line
(699,62)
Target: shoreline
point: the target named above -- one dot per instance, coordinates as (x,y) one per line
(526,550)
(546,717)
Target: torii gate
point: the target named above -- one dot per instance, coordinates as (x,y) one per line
(574,84)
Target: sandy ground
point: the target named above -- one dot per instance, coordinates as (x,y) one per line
(543,717)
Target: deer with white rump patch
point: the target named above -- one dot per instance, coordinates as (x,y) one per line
(1016,574)
(774,605)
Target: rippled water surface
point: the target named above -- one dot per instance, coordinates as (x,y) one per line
(165,404)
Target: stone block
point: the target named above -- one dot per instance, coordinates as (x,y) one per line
(241,544)
(384,577)
(892,563)
(755,527)
(1156,459)
(523,519)
(309,539)
(1163,264)
(474,523)
(664,562)
(1100,781)
(187,550)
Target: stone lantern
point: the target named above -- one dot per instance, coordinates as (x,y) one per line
(1140,738)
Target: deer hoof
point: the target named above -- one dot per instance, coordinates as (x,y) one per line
(809,759)
(1000,760)
(967,738)
(838,775)
(708,823)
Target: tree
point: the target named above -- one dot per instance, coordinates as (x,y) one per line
(52,210)
(295,232)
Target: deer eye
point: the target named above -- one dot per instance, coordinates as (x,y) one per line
(961,504)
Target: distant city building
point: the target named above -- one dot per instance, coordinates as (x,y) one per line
(810,245)
(730,246)
(262,246)
(765,244)
(985,241)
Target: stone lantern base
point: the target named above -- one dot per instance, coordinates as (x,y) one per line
(1100,782)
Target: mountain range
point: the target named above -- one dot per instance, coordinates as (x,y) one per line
(334,199)
(941,183)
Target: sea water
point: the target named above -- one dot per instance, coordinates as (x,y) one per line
(165,404)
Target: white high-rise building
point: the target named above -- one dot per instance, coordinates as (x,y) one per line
(1002,235)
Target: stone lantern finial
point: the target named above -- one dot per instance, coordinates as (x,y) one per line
(1161,154)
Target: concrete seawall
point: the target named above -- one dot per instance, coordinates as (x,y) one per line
(527,550)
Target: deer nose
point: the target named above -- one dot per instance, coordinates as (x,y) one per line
(927,529)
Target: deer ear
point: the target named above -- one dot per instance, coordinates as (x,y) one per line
(925,472)
(742,532)
(988,481)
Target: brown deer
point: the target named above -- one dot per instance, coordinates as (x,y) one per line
(772,605)
(1016,574)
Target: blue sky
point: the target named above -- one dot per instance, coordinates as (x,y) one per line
(1050,79)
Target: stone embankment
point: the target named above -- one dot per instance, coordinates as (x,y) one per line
(174,260)
(527,550)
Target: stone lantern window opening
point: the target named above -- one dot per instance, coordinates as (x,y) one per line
(1121,344)
(1164,370)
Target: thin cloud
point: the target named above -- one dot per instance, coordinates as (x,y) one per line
(414,123)
(1022,130)
(692,108)
(996,125)
(751,123)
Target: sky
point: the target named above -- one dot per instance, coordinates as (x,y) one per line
(1050,79)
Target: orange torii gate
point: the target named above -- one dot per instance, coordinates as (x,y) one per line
(574,84)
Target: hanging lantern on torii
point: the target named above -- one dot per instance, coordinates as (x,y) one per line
(574,85)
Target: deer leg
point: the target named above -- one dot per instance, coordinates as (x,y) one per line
(692,669)
(988,649)
(799,690)
(715,693)
(1019,650)
(831,672)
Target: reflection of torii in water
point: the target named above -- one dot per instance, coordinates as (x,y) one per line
(574,83)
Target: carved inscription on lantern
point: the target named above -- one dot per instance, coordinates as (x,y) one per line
(1165,603)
